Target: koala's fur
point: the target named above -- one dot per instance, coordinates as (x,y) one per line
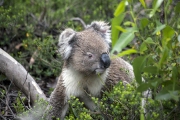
(83,72)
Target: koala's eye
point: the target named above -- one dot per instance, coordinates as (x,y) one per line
(90,55)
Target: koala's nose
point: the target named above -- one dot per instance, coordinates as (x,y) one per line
(105,60)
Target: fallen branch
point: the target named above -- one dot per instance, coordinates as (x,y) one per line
(16,73)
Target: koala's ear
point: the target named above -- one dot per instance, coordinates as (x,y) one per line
(103,29)
(65,43)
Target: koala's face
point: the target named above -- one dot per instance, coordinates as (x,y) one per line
(86,51)
(90,53)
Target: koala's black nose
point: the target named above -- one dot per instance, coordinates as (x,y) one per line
(105,60)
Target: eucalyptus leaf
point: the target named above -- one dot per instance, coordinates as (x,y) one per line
(143,87)
(124,39)
(138,65)
(177,8)
(156,5)
(144,22)
(143,3)
(121,29)
(149,41)
(165,94)
(150,69)
(159,28)
(143,47)
(164,56)
(115,32)
(168,33)
(127,52)
(120,9)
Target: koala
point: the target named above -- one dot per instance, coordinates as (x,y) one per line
(88,68)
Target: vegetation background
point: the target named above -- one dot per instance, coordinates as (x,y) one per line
(144,32)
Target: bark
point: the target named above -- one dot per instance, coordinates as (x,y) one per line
(16,73)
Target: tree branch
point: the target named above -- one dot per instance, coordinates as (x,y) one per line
(17,74)
(80,20)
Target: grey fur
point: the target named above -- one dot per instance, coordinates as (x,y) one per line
(78,77)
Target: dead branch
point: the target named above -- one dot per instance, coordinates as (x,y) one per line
(8,108)
(17,74)
(80,20)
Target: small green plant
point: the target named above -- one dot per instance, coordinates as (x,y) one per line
(77,110)
(19,104)
(36,112)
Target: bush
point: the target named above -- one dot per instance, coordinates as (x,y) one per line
(124,103)
(155,34)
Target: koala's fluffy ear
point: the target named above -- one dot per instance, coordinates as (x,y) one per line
(103,29)
(65,40)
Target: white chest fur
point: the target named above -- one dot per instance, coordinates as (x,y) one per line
(75,83)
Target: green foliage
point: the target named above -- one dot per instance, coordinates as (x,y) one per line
(31,33)
(124,103)
(77,110)
(35,113)
(44,53)
(155,31)
(18,105)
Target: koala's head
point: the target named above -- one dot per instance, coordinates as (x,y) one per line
(86,51)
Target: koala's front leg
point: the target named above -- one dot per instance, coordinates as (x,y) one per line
(88,102)
(58,104)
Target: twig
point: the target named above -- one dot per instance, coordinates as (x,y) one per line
(43,13)
(2,117)
(23,103)
(3,87)
(34,17)
(8,107)
(80,20)
(6,99)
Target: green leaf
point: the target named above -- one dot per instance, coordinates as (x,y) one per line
(164,56)
(174,76)
(143,3)
(124,39)
(177,8)
(129,23)
(144,22)
(164,94)
(127,52)
(150,69)
(142,117)
(168,33)
(121,29)
(120,9)
(143,87)
(175,95)
(156,5)
(115,32)
(138,65)
(149,41)
(143,47)
(155,82)
(159,28)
